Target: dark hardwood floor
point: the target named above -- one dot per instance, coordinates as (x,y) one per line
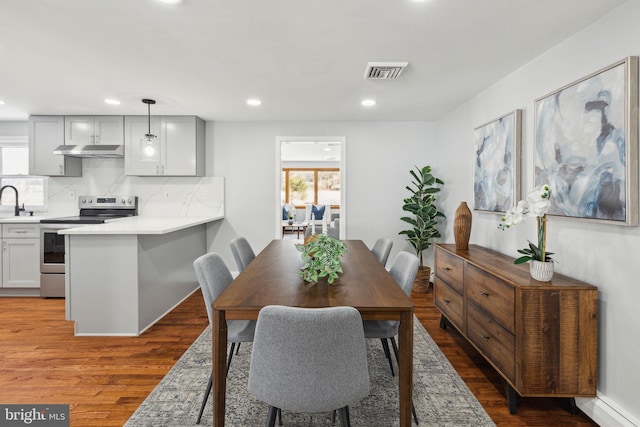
(104,379)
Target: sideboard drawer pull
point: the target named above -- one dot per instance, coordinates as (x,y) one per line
(484,337)
(447,268)
(446,301)
(484,294)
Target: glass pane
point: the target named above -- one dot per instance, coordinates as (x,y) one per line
(149,150)
(329,188)
(30,191)
(15,160)
(301,187)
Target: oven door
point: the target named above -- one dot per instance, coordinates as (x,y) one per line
(52,250)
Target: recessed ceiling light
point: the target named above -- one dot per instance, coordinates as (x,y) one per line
(368,102)
(1,102)
(170,1)
(254,102)
(111,101)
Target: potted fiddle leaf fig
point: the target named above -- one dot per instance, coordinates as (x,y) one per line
(423,219)
(322,256)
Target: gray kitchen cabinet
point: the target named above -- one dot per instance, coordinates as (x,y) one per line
(178,150)
(21,255)
(84,130)
(46,133)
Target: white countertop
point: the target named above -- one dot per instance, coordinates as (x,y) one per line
(22,219)
(140,225)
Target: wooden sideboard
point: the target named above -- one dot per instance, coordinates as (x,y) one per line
(541,337)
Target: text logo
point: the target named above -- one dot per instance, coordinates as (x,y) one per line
(34,415)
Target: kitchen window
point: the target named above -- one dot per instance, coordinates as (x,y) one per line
(14,170)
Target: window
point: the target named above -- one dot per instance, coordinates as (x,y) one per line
(320,186)
(14,170)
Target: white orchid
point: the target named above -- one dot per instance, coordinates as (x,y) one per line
(536,205)
(538,201)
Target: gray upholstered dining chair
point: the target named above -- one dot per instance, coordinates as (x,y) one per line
(214,277)
(403,270)
(309,360)
(242,252)
(381,249)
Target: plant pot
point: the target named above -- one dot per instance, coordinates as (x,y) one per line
(541,271)
(290,221)
(421,284)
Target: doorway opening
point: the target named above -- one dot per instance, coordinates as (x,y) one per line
(310,177)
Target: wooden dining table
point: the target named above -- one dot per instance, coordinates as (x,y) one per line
(272,278)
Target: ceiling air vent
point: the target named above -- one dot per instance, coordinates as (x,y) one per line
(384,70)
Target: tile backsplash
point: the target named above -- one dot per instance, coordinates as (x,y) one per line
(157,196)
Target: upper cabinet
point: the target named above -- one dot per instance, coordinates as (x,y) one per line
(85,130)
(46,133)
(177,150)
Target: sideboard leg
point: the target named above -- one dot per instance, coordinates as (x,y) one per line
(511,399)
(570,405)
(443,322)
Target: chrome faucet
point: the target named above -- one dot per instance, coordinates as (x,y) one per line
(18,208)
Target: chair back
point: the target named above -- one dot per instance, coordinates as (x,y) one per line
(381,249)
(309,359)
(404,269)
(213,276)
(242,252)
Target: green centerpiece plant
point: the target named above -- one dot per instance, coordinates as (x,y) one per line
(322,256)
(424,216)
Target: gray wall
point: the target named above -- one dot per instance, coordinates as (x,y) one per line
(600,254)
(379,156)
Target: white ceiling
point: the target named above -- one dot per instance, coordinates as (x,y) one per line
(304,59)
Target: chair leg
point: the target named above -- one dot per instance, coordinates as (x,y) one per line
(385,347)
(204,400)
(233,346)
(395,351)
(279,416)
(210,385)
(344,417)
(238,349)
(271,416)
(395,347)
(333,418)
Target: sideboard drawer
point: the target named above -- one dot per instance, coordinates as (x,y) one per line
(449,302)
(493,340)
(450,269)
(492,295)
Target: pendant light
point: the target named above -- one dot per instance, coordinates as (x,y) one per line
(149,151)
(149,135)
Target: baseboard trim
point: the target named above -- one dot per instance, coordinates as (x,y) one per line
(606,413)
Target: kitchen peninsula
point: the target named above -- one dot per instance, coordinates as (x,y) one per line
(123,276)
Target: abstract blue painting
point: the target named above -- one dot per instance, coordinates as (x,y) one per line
(496,178)
(586,145)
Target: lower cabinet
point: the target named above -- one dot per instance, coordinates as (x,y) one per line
(540,337)
(20,255)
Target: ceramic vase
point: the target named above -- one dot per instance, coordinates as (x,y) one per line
(541,271)
(462,226)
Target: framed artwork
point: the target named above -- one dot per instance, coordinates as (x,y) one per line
(586,146)
(496,177)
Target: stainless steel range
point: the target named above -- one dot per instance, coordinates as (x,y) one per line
(93,210)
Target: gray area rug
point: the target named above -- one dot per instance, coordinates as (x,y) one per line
(440,396)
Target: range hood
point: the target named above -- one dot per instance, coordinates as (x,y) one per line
(91,150)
